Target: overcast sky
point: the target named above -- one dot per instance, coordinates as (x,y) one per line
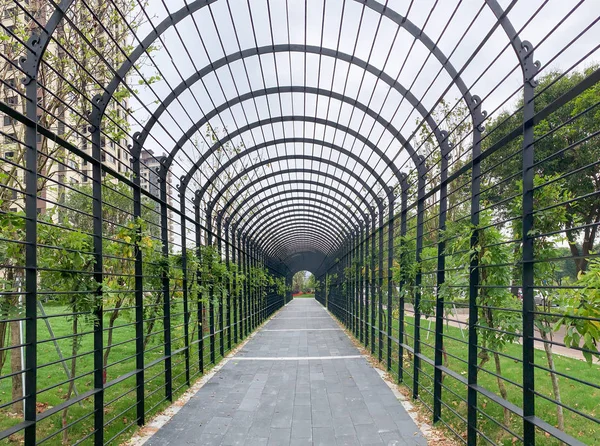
(227,26)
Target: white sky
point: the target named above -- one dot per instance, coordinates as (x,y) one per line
(227,26)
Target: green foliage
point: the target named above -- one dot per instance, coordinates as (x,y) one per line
(581,311)
(69,268)
(214,275)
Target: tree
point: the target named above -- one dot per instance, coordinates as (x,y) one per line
(69,270)
(298,282)
(311,282)
(498,327)
(565,141)
(547,226)
(69,79)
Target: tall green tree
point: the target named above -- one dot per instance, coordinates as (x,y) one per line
(566,145)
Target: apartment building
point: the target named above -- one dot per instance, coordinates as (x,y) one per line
(149,180)
(62,108)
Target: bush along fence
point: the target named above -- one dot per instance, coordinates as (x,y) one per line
(478,290)
(155,323)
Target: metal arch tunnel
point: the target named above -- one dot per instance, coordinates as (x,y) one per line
(336,207)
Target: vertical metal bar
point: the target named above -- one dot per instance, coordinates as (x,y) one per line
(528,265)
(418,276)
(361,322)
(95,130)
(246,285)
(440,279)
(390,285)
(265,290)
(166,290)
(236,294)
(139,286)
(199,278)
(242,269)
(248,296)
(380,283)
(185,285)
(403,217)
(367,281)
(229,282)
(221,308)
(31,260)
(211,287)
(373,279)
(474,286)
(350,281)
(357,258)
(352,297)
(252,301)
(255,291)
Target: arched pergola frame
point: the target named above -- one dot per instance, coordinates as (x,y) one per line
(250,249)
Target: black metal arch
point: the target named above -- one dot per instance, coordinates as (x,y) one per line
(287,208)
(300,236)
(185,180)
(347,216)
(290,209)
(183,86)
(102,101)
(236,178)
(233,180)
(246,186)
(296,241)
(261,232)
(333,234)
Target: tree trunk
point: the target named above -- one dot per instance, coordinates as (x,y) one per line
(152,319)
(502,388)
(15,367)
(3,343)
(109,341)
(65,412)
(560,417)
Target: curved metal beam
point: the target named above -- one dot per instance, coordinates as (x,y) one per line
(288,210)
(300,235)
(327,231)
(184,85)
(348,217)
(38,42)
(102,101)
(294,118)
(270,231)
(234,197)
(262,163)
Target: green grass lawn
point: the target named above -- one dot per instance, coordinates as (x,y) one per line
(305,296)
(581,397)
(119,399)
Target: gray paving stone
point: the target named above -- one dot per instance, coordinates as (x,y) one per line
(323,436)
(347,440)
(255,441)
(367,434)
(280,437)
(297,402)
(301,429)
(302,413)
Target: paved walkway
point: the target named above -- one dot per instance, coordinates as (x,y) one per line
(298,381)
